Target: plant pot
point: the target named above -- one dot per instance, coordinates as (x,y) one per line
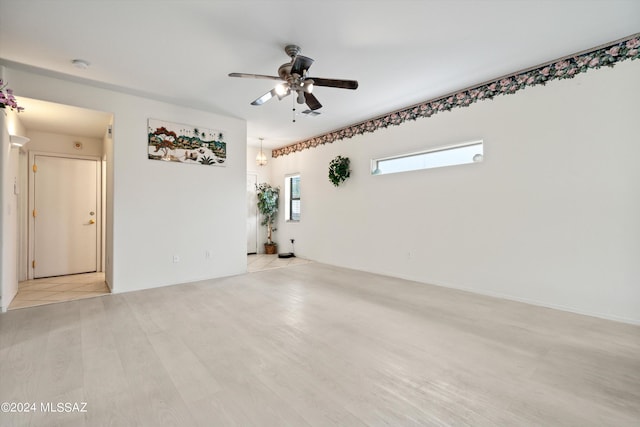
(270,249)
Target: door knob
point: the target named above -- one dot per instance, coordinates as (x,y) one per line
(92,221)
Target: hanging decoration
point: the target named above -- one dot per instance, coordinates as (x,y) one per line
(564,68)
(261,158)
(174,142)
(339,170)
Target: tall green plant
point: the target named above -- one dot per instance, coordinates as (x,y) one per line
(268,206)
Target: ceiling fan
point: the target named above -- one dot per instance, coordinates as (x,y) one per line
(294,78)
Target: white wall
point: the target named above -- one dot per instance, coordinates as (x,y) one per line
(9,220)
(160,209)
(23,220)
(551,217)
(106,148)
(5,245)
(107,207)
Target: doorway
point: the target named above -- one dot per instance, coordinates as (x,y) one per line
(65,215)
(66,131)
(252,214)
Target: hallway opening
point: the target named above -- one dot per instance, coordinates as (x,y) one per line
(49,290)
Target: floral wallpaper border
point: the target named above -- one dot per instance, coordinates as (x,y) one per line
(564,68)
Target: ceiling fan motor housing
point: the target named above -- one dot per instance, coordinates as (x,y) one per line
(292,50)
(284,71)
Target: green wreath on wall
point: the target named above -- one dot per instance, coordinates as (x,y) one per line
(339,170)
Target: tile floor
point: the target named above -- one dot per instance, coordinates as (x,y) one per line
(50,290)
(262,262)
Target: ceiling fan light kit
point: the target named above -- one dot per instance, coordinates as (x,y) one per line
(294,78)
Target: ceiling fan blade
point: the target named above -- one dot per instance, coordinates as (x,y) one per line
(300,65)
(264,98)
(312,101)
(254,76)
(272,93)
(341,84)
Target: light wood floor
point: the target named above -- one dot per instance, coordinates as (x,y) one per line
(317,345)
(52,290)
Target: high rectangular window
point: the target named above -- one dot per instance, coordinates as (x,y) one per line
(458,154)
(292,197)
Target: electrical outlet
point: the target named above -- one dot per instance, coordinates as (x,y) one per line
(176,258)
(207,254)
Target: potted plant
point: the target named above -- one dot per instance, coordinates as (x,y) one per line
(268,207)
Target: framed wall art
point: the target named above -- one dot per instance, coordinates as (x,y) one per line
(175,142)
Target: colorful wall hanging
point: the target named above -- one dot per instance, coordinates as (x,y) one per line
(174,142)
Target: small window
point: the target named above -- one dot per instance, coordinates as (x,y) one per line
(451,155)
(292,197)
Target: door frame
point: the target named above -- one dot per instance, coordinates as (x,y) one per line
(254,174)
(31,206)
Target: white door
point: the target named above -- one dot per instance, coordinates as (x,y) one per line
(65,217)
(252,214)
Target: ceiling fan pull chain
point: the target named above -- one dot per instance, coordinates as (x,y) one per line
(294,108)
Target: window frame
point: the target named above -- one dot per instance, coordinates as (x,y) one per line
(289,199)
(375,162)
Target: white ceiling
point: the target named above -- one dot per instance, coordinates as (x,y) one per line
(401,52)
(63,119)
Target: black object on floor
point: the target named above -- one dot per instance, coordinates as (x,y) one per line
(286,255)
